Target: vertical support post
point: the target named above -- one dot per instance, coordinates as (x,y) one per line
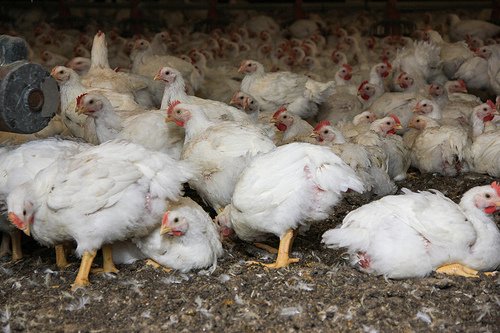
(299,11)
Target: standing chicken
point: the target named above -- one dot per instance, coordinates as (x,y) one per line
(411,235)
(285,189)
(19,165)
(298,93)
(107,193)
(220,151)
(110,125)
(293,127)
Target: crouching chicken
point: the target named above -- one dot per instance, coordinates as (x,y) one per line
(412,235)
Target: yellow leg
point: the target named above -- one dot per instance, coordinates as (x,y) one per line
(151,262)
(266,247)
(17,252)
(107,259)
(82,278)
(61,261)
(5,246)
(457,269)
(284,249)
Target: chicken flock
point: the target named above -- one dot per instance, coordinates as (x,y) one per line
(271,125)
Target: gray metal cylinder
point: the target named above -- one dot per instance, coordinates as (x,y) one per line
(29,96)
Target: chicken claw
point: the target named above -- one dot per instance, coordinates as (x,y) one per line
(151,262)
(266,247)
(282,260)
(61,260)
(108,266)
(82,278)
(457,269)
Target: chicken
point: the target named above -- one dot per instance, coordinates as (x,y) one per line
(109,125)
(439,149)
(412,235)
(147,64)
(383,134)
(298,93)
(20,164)
(369,163)
(220,151)
(70,88)
(100,74)
(107,193)
(292,126)
(492,54)
(311,182)
(174,91)
(187,238)
(459,29)
(79,64)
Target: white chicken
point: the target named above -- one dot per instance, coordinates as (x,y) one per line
(312,181)
(220,151)
(298,93)
(147,64)
(292,126)
(109,125)
(439,149)
(459,29)
(382,133)
(20,164)
(412,235)
(187,238)
(175,91)
(369,162)
(107,193)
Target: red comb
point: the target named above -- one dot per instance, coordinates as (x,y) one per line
(322,124)
(491,104)
(348,67)
(396,119)
(462,83)
(389,66)
(362,85)
(100,33)
(164,220)
(279,111)
(172,105)
(496,186)
(79,99)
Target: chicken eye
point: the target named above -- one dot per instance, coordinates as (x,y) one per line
(487,196)
(367,117)
(485,109)
(61,72)
(249,65)
(91,101)
(367,88)
(418,120)
(24,212)
(285,116)
(178,111)
(388,123)
(241,97)
(325,132)
(176,220)
(167,73)
(424,105)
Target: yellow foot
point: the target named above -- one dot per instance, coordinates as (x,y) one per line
(457,269)
(277,264)
(79,283)
(151,262)
(495,273)
(266,247)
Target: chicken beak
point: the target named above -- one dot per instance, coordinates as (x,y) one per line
(241,69)
(273,120)
(165,229)
(27,231)
(417,108)
(169,119)
(157,77)
(398,127)
(497,203)
(314,135)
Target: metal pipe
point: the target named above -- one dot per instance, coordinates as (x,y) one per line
(402,6)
